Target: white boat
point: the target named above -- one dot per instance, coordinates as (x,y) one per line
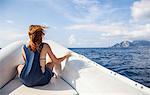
(78,76)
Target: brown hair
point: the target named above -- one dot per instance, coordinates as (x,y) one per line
(35,35)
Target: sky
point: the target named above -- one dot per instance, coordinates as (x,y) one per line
(76,23)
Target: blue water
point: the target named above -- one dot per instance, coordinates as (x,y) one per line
(133,63)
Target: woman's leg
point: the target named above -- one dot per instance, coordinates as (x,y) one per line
(50,65)
(55,67)
(19,68)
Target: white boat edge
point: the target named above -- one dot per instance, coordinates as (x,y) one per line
(86,69)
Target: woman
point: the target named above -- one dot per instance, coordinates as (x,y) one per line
(36,71)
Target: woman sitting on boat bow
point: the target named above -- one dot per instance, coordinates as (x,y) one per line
(36,71)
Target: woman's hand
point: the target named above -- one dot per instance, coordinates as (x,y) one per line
(68,55)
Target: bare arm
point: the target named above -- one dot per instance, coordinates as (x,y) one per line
(53,57)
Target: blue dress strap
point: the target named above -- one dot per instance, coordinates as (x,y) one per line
(29,59)
(32,74)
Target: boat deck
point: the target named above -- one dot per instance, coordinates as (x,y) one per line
(79,75)
(86,78)
(89,78)
(56,86)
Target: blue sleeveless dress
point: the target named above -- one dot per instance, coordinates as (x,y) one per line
(31,74)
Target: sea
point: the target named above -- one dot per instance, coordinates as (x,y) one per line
(133,63)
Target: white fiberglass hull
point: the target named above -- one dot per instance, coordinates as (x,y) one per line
(79,75)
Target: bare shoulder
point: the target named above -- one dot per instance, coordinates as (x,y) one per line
(22,49)
(46,46)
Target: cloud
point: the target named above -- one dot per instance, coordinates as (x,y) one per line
(80,11)
(140,32)
(10,33)
(115,30)
(89,10)
(9,21)
(9,37)
(141,10)
(110,30)
(72,39)
(86,41)
(107,28)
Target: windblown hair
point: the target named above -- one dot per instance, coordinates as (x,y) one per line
(35,34)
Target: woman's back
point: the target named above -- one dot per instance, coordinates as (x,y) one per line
(32,74)
(35,71)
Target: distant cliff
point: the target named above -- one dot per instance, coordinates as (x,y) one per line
(128,44)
